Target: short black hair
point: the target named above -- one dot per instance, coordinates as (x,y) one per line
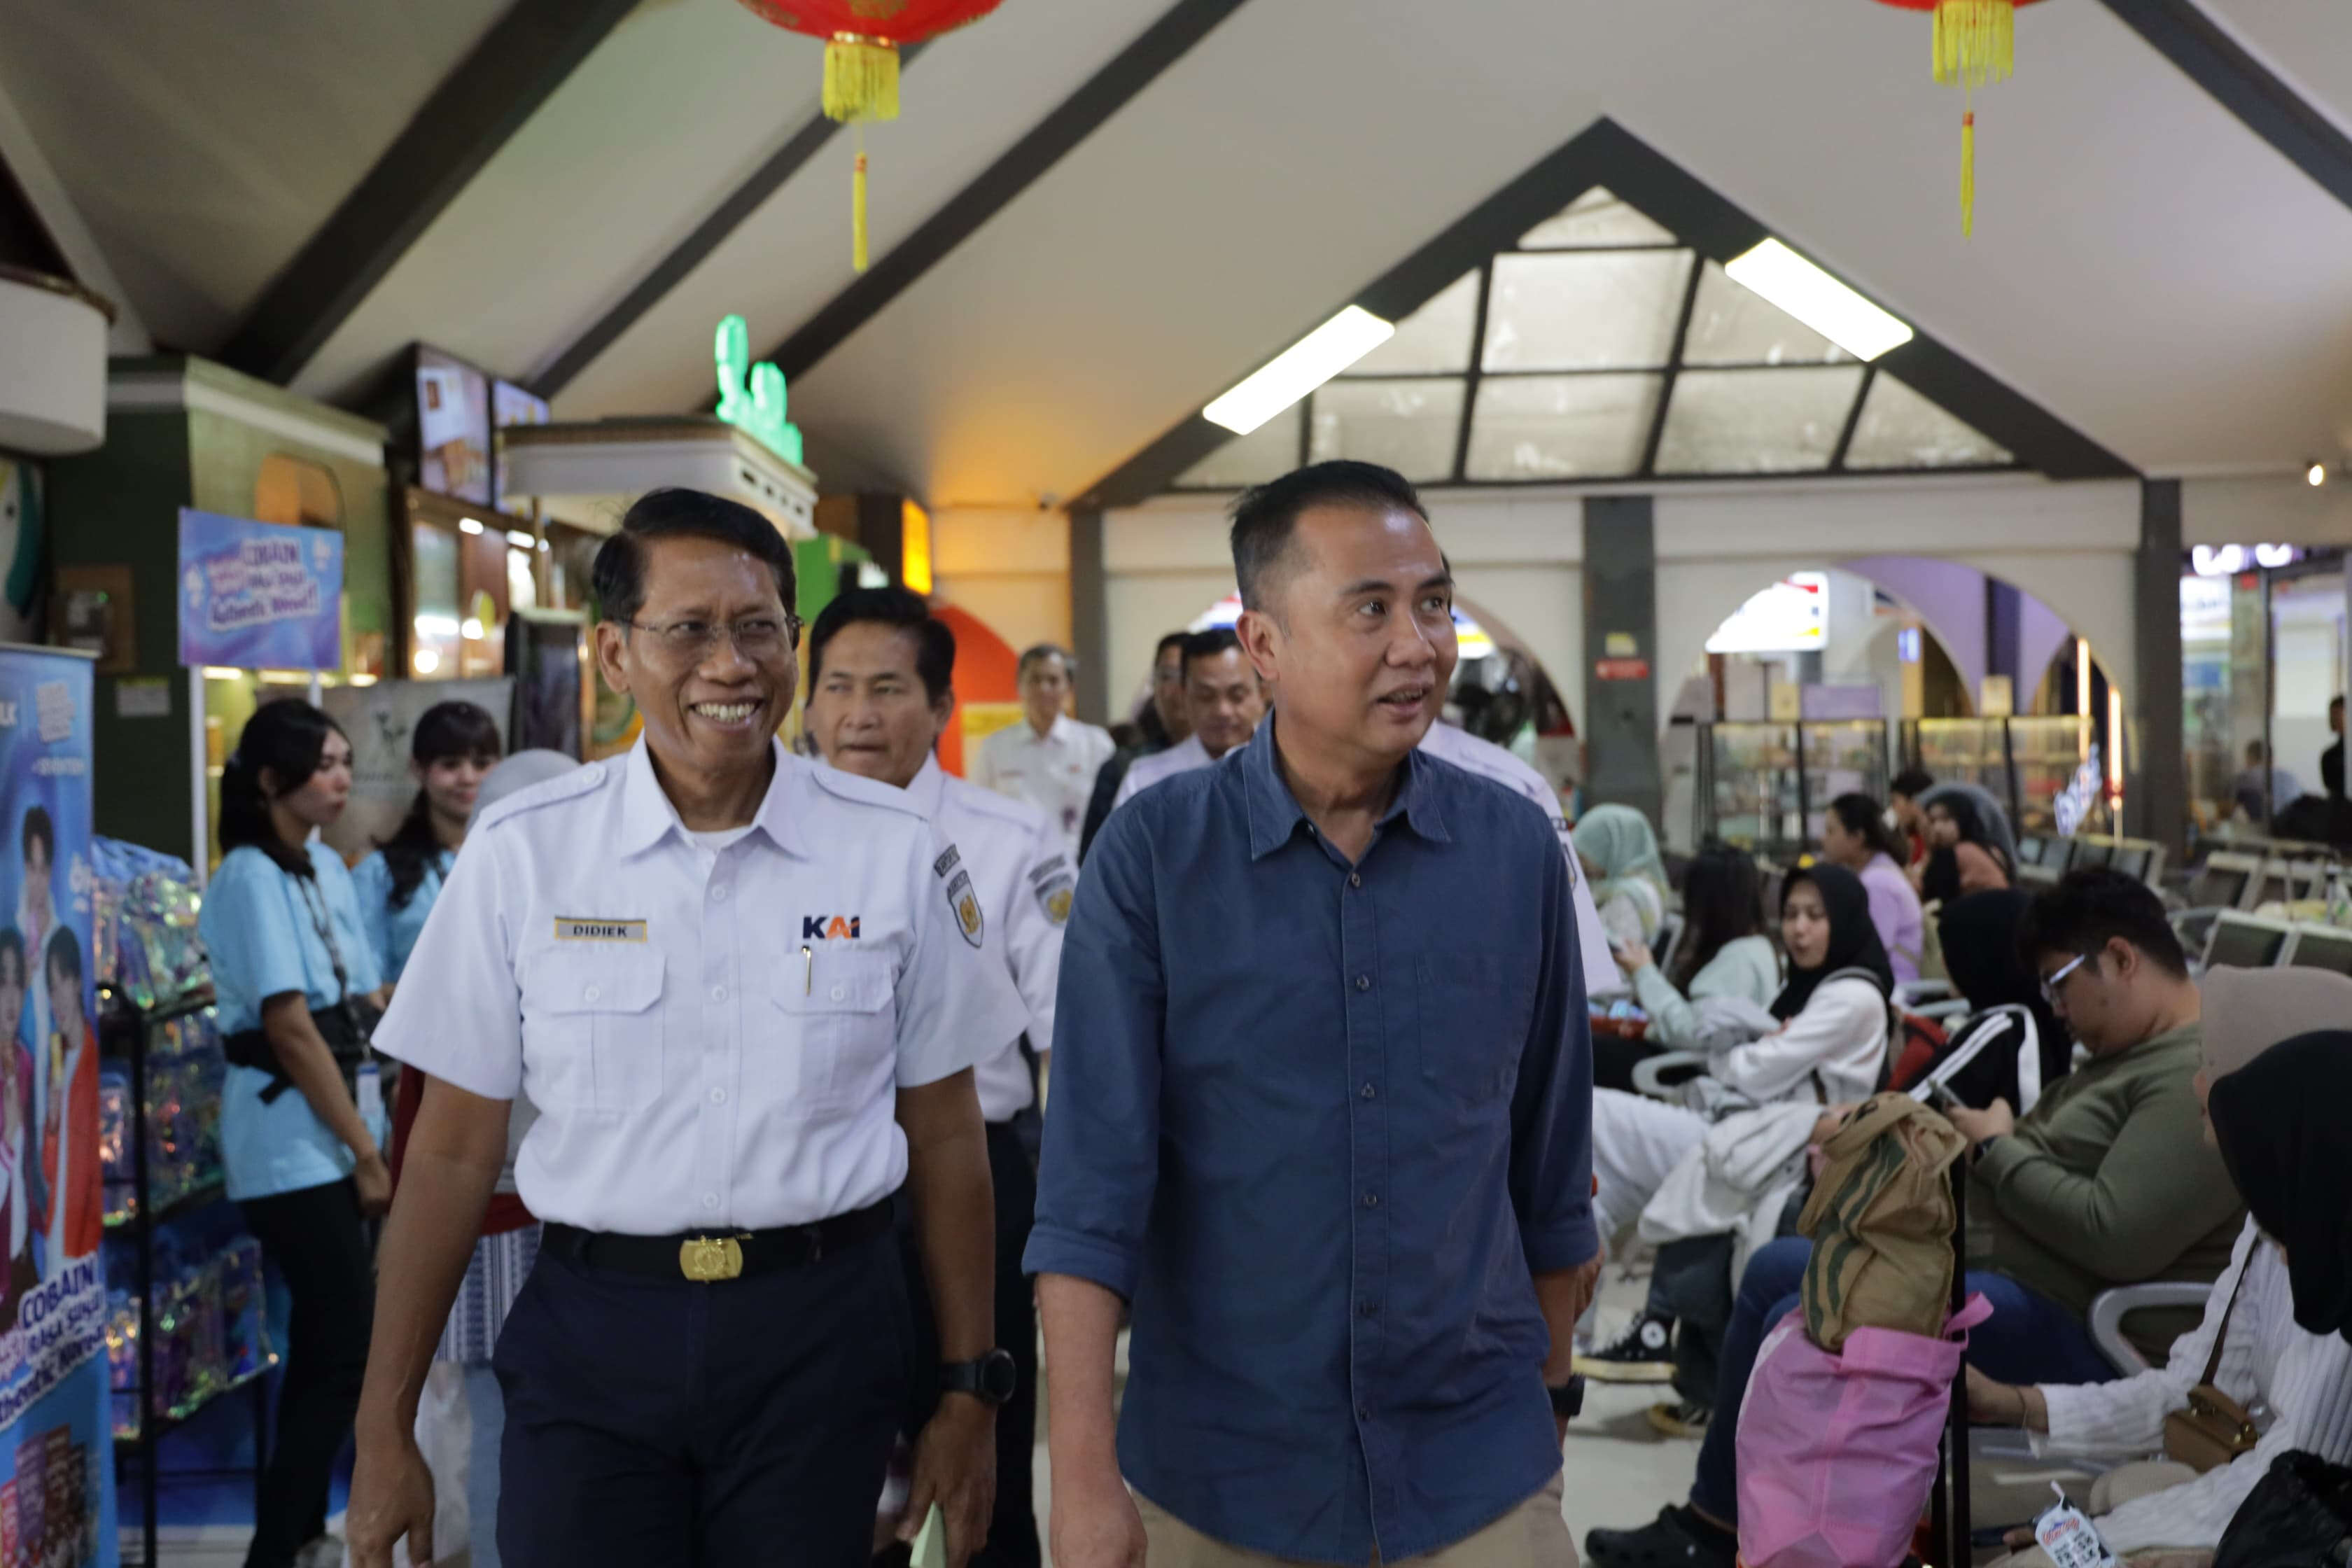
(618,578)
(1037,653)
(65,953)
(1178,639)
(2335,704)
(901,609)
(1265,516)
(38,825)
(2092,907)
(12,945)
(1208,643)
(1912,783)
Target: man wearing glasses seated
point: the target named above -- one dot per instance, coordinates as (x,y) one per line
(2107,1181)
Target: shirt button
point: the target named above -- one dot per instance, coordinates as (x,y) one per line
(839,991)
(710,1200)
(1372,1199)
(1363,982)
(1370,1093)
(719,892)
(1363,1413)
(718,994)
(1366,1309)
(594,992)
(1355,878)
(717,1097)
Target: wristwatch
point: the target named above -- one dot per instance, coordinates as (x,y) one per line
(1568,1399)
(993,1379)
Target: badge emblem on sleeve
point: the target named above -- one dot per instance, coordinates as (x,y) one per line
(966,905)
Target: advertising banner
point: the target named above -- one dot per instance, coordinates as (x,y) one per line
(260,595)
(57,1470)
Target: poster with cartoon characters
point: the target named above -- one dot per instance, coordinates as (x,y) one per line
(56,1478)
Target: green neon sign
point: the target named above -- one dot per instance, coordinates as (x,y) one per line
(751,396)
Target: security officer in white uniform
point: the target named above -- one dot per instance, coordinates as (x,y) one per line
(747,993)
(881,692)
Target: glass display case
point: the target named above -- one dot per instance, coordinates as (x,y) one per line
(2045,753)
(1842,756)
(1750,787)
(1966,750)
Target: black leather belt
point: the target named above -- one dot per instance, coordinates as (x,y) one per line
(716,1257)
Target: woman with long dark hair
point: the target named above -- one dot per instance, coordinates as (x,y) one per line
(1965,856)
(292,971)
(1855,836)
(1725,952)
(454,746)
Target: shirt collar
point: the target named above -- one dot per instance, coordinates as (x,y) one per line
(1275,812)
(929,788)
(647,815)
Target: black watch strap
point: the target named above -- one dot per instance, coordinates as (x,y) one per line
(1568,1399)
(993,1379)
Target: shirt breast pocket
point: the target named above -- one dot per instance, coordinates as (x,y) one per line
(1476,1011)
(593,1035)
(836,1046)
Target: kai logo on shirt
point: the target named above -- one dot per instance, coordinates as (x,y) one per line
(816,928)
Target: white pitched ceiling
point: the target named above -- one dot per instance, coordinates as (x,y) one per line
(2307,43)
(205,141)
(2142,265)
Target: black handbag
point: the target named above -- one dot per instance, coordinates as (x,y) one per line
(347,1024)
(2298,1516)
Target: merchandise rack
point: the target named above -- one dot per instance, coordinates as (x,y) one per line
(126,1031)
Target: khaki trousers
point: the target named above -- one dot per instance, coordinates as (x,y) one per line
(1532,1535)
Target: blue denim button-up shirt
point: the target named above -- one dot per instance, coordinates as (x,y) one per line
(1322,1124)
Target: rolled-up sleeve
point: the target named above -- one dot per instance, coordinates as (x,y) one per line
(1551,1110)
(1099,1165)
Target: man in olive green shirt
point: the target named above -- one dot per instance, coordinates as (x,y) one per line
(2110,1181)
(2107,1181)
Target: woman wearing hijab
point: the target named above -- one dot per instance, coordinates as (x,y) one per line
(1620,854)
(2013,1044)
(1829,1049)
(1965,856)
(2299,1372)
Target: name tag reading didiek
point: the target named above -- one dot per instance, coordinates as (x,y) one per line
(568,928)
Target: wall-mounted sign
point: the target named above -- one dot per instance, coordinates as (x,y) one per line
(453,427)
(1792,615)
(1621,669)
(512,405)
(258,596)
(751,396)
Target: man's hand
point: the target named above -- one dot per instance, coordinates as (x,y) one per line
(955,1467)
(1584,1281)
(1995,1121)
(391,1497)
(373,1178)
(1095,1524)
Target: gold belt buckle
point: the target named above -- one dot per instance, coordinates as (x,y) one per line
(705,1259)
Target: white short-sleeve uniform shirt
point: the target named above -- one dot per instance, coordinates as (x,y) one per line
(1145,771)
(1487,760)
(1024,880)
(713,1028)
(1056,774)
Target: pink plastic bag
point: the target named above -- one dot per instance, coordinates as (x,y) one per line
(1837,1453)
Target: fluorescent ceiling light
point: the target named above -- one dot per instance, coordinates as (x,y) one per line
(1301,369)
(1819,300)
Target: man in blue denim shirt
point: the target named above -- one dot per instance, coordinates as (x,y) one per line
(1320,1109)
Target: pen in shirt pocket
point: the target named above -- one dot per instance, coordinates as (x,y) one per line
(808,972)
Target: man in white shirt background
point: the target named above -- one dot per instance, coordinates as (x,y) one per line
(1048,759)
(880,694)
(1223,702)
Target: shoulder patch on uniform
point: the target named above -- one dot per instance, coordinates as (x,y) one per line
(963,902)
(1054,889)
(580,780)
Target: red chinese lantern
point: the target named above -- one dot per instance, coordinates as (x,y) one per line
(862,39)
(1974,44)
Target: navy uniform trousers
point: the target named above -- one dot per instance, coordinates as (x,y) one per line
(664,1424)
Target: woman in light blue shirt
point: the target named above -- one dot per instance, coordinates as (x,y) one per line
(290,956)
(452,747)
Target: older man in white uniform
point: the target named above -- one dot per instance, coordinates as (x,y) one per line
(881,692)
(1048,759)
(747,993)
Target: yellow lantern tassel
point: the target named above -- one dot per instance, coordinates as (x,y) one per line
(1967,174)
(861,78)
(857,214)
(1975,41)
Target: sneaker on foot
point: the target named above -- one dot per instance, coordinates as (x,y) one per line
(1681,1418)
(1642,1353)
(1676,1539)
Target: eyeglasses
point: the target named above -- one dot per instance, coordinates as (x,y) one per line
(2053,984)
(758,638)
